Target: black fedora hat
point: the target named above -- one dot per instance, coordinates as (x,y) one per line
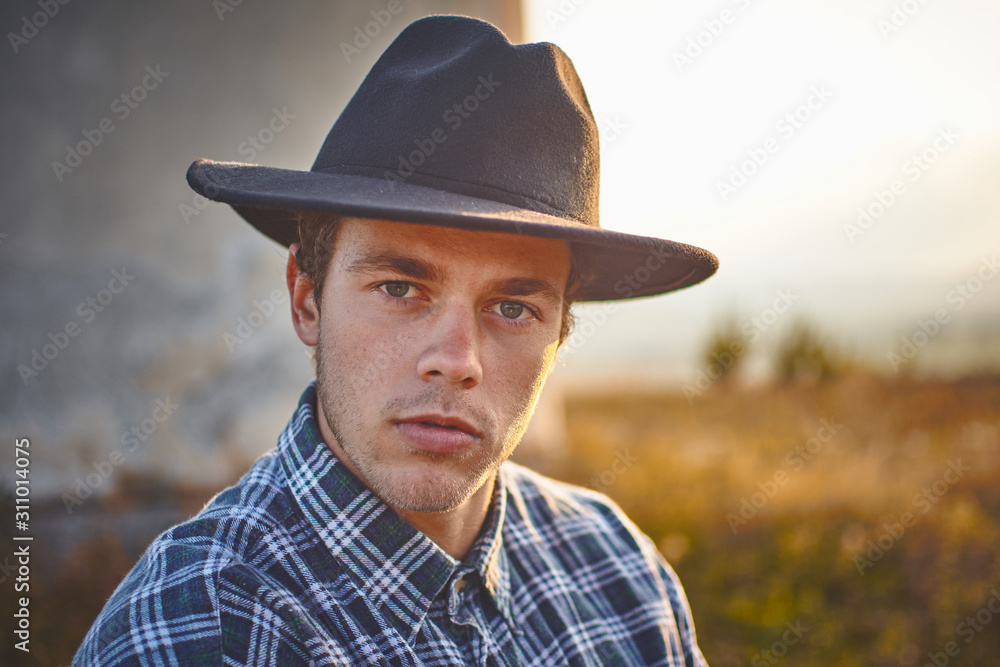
(455,126)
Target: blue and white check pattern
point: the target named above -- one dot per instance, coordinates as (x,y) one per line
(300,564)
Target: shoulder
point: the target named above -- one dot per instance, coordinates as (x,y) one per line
(580,525)
(573,522)
(583,541)
(558,514)
(242,519)
(165,610)
(239,524)
(169,608)
(539,500)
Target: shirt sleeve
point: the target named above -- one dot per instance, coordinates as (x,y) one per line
(165,612)
(682,611)
(672,590)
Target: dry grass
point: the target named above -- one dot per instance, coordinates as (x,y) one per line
(794,557)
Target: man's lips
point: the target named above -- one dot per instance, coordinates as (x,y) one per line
(437,433)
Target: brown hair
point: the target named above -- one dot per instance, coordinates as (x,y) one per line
(318,233)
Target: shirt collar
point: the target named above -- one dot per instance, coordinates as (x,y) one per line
(395,566)
(487,555)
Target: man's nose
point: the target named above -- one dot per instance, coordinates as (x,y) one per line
(452,347)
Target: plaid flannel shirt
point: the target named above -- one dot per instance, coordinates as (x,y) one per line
(300,564)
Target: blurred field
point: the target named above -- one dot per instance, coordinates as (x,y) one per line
(798,559)
(678,469)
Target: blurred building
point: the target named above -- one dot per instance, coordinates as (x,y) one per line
(143,327)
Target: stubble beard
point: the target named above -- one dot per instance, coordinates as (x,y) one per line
(432,490)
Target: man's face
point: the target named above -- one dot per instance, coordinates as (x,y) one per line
(433,347)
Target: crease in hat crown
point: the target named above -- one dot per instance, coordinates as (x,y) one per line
(525,103)
(456,126)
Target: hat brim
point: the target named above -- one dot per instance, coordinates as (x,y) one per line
(625,265)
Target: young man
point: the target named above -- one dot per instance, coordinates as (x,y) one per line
(435,246)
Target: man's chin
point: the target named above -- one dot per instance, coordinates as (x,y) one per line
(430,492)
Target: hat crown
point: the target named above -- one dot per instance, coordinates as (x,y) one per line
(455,126)
(453,105)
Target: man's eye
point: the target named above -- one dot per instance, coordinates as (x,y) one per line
(396,288)
(513,310)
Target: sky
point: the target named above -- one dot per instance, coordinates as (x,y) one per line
(762,131)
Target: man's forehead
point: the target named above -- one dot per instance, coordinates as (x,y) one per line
(361,237)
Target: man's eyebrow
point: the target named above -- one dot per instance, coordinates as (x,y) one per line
(526,287)
(417,269)
(410,267)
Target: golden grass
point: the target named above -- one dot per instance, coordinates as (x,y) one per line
(796,555)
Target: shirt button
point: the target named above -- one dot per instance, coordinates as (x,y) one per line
(460,584)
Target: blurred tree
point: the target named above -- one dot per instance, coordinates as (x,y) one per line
(726,350)
(804,355)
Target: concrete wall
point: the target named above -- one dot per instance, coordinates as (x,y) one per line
(120,287)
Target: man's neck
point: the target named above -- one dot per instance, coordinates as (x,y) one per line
(455,530)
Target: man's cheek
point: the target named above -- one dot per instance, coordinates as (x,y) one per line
(549,356)
(520,379)
(377,356)
(536,364)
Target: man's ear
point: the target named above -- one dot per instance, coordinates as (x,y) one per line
(305,314)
